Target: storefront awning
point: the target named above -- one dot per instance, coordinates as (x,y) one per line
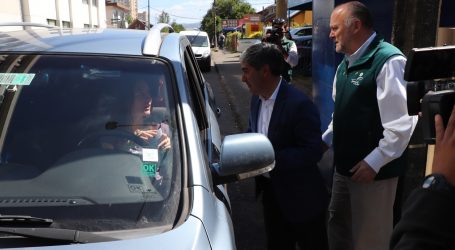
(300,4)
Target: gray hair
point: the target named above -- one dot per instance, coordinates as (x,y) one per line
(358,10)
(260,54)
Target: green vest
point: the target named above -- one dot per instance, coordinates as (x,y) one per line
(357,126)
(287,70)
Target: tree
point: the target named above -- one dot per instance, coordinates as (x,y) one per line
(177,27)
(224,9)
(129,19)
(164,17)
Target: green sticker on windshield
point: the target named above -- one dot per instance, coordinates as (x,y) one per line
(149,169)
(16,78)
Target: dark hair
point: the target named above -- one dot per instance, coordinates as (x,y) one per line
(360,11)
(260,54)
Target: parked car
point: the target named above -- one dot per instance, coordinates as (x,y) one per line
(109,140)
(303,39)
(303,31)
(201,47)
(245,43)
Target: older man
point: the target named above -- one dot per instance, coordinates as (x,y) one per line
(370,130)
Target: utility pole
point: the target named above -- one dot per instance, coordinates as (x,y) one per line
(281,8)
(214,25)
(148,14)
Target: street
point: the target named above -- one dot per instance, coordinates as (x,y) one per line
(232,97)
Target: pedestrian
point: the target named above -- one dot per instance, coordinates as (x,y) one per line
(369,131)
(288,47)
(221,39)
(293,194)
(428,216)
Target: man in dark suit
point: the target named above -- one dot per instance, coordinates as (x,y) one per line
(294,196)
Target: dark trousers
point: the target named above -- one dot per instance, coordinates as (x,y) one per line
(283,234)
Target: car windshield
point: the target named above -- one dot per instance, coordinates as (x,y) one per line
(198,41)
(73,146)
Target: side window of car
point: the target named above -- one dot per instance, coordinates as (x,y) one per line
(195,90)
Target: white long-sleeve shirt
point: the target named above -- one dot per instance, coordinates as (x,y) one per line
(391,97)
(293,55)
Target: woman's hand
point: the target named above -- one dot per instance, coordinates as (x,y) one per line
(165,142)
(147,135)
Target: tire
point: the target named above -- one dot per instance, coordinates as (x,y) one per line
(207,64)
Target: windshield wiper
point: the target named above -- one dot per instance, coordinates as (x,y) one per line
(14,220)
(57,234)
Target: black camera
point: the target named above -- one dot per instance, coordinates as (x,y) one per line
(274,36)
(431,86)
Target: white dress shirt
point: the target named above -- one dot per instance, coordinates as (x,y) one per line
(391,97)
(265,111)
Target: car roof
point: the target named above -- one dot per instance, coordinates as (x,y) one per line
(83,41)
(194,32)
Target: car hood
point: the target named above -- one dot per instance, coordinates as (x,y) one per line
(200,50)
(190,235)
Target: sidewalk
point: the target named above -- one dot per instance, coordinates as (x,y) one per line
(304,83)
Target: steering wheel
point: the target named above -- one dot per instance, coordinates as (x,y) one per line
(96,138)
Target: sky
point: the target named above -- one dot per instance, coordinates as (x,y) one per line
(187,11)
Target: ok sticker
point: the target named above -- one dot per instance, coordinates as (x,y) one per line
(149,169)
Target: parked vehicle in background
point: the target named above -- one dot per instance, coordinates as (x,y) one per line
(76,167)
(244,43)
(303,31)
(303,39)
(201,47)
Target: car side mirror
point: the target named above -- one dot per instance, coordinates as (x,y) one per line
(244,156)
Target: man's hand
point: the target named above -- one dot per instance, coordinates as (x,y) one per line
(444,152)
(362,172)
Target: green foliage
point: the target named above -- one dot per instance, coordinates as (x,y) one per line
(164,17)
(177,27)
(230,41)
(129,19)
(224,9)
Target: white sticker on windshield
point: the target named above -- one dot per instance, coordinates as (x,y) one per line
(150,154)
(16,78)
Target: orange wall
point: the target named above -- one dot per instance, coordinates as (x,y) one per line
(303,18)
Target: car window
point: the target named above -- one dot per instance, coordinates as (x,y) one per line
(195,89)
(73,146)
(198,41)
(304,32)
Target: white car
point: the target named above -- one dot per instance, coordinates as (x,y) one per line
(201,47)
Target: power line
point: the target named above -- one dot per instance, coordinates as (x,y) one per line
(172,15)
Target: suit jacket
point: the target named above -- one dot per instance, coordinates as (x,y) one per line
(295,134)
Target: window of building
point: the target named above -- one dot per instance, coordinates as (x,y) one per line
(86,25)
(66,24)
(85,1)
(52,22)
(95,2)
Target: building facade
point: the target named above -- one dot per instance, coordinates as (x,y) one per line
(61,13)
(117,12)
